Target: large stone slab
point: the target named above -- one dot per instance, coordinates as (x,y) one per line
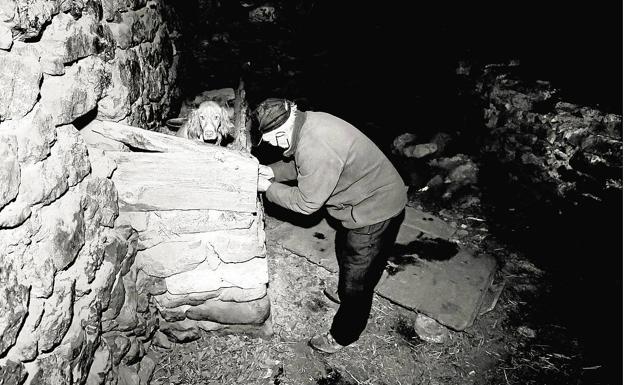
(450,290)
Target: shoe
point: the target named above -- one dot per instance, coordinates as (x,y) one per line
(331,292)
(325,343)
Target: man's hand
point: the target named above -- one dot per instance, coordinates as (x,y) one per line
(263,183)
(265,172)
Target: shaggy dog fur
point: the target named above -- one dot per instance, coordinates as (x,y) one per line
(208,123)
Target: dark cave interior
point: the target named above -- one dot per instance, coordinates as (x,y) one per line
(390,68)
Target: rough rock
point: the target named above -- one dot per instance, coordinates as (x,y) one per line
(13,307)
(150,284)
(111,8)
(35,135)
(118,344)
(123,90)
(77,92)
(73,151)
(14,214)
(52,65)
(263,14)
(253,312)
(148,21)
(62,233)
(180,331)
(250,274)
(237,294)
(12,373)
(168,300)
(57,315)
(31,17)
(174,314)
(101,366)
(127,317)
(9,169)
(136,351)
(19,85)
(430,330)
(6,36)
(117,298)
(52,369)
(100,202)
(69,39)
(25,348)
(127,375)
(146,368)
(161,340)
(67,165)
(157,260)
(123,31)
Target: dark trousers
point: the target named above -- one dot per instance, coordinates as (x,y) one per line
(362,255)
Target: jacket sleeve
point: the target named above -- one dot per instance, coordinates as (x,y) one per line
(319,170)
(284,171)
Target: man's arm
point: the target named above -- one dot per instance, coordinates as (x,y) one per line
(319,170)
(284,171)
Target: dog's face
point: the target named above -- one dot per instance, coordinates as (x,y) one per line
(208,123)
(211,120)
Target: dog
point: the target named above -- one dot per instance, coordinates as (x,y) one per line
(208,123)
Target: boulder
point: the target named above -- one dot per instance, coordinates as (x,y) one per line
(19,85)
(77,92)
(124,89)
(68,39)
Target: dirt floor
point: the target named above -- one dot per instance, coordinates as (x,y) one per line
(515,343)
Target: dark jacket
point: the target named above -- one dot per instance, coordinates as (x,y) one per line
(336,165)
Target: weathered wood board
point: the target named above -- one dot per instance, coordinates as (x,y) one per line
(157,142)
(185,181)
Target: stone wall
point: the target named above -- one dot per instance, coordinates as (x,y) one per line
(551,150)
(67,274)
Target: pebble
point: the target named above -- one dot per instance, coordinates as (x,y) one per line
(526,331)
(430,330)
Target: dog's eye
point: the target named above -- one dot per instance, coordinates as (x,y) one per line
(202,117)
(216,117)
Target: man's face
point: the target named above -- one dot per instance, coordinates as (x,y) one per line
(278,138)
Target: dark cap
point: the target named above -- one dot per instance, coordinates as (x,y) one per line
(268,116)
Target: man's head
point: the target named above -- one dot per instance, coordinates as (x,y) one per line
(272,122)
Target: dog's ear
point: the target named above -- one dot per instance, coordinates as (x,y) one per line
(226,125)
(193,126)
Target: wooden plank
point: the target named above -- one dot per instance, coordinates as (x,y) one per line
(157,142)
(185,181)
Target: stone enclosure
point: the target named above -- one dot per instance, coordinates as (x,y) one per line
(86,286)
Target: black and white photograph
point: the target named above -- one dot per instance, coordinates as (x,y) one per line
(311,192)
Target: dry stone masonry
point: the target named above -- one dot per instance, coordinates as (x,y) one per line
(549,147)
(82,291)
